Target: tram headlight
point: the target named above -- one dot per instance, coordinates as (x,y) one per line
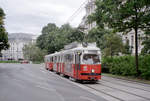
(93,70)
(85,68)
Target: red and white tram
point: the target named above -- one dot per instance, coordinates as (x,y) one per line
(49,62)
(76,61)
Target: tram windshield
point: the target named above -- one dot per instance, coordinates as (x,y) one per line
(91,59)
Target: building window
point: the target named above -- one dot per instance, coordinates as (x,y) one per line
(139,40)
(132,40)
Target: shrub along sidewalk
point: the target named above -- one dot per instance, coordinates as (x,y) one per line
(125,66)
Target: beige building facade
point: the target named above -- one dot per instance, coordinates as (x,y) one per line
(89,8)
(17,42)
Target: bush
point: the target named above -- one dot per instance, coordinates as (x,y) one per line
(106,64)
(125,65)
(144,64)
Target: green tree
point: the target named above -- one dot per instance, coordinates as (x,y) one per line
(146,43)
(33,53)
(42,40)
(3,34)
(75,35)
(53,39)
(124,16)
(49,28)
(113,45)
(110,43)
(96,35)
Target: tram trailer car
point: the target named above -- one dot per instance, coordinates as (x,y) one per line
(58,63)
(80,63)
(48,62)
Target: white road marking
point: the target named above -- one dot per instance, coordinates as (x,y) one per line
(87,98)
(45,88)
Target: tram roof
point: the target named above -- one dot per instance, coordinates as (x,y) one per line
(90,46)
(84,48)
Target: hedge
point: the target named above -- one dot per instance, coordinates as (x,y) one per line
(9,61)
(125,65)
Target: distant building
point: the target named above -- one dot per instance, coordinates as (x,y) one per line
(17,42)
(85,25)
(130,37)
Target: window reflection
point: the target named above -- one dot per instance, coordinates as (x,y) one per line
(91,59)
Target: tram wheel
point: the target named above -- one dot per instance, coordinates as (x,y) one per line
(79,81)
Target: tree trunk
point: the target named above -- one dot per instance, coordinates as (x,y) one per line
(136,40)
(136,51)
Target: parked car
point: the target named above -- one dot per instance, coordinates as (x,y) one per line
(24,62)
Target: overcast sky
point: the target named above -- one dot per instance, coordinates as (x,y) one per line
(29,16)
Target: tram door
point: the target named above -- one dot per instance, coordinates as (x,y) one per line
(77,64)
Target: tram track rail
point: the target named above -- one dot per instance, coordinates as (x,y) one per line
(129,81)
(145,99)
(127,92)
(104,93)
(126,85)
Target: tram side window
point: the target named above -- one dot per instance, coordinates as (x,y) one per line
(52,59)
(77,59)
(68,58)
(55,59)
(47,59)
(61,58)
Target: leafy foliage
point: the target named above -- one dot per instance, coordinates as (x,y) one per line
(110,43)
(146,43)
(122,15)
(54,38)
(3,34)
(124,65)
(96,35)
(145,66)
(33,53)
(113,45)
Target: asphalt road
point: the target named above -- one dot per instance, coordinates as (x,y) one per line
(31,82)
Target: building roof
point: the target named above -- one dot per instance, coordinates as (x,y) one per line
(21,36)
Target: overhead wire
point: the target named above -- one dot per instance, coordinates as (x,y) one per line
(71,18)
